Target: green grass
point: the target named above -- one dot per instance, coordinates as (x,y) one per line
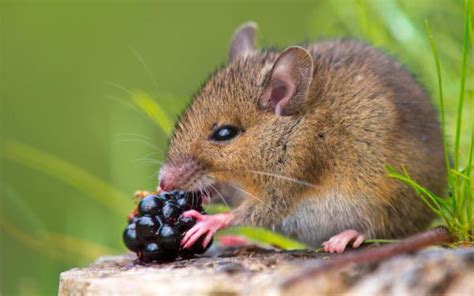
(264,237)
(56,246)
(153,110)
(73,175)
(455,209)
(66,183)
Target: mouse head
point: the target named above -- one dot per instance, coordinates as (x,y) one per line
(242,126)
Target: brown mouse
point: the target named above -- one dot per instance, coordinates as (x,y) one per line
(305,135)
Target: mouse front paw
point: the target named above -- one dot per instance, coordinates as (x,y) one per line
(339,242)
(207,225)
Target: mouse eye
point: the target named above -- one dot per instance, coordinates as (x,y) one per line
(224,133)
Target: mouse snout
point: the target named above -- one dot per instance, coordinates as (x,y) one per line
(166,184)
(168,178)
(179,176)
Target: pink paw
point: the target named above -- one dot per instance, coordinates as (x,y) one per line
(206,225)
(339,242)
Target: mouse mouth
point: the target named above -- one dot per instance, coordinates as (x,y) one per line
(205,186)
(208,194)
(227,194)
(191,176)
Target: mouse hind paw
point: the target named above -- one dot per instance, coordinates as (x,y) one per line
(338,243)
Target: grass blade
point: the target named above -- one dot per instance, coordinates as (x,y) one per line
(435,203)
(17,206)
(153,110)
(216,208)
(35,244)
(462,86)
(460,174)
(264,236)
(70,174)
(60,247)
(84,248)
(434,50)
(468,186)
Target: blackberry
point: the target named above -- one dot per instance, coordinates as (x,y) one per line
(146,228)
(189,201)
(185,223)
(155,233)
(130,238)
(149,205)
(197,248)
(152,252)
(183,203)
(171,211)
(170,237)
(166,196)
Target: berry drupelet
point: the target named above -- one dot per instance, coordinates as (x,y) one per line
(155,233)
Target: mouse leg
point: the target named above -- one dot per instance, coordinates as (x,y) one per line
(339,242)
(206,225)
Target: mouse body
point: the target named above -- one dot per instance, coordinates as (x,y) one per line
(304,135)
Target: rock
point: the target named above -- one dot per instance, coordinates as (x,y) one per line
(257,271)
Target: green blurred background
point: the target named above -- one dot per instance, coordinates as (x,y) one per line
(73,145)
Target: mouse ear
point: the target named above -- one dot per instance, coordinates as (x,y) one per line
(285,89)
(243,42)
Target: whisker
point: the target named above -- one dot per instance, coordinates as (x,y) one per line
(203,192)
(220,195)
(119,87)
(208,196)
(147,159)
(148,155)
(286,178)
(153,176)
(125,103)
(258,199)
(149,162)
(147,69)
(141,141)
(300,182)
(133,135)
(246,192)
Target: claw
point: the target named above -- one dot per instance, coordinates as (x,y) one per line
(188,235)
(194,237)
(206,225)
(194,214)
(339,242)
(207,240)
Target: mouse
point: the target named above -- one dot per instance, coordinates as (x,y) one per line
(303,136)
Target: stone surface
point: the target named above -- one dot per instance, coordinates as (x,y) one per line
(256,271)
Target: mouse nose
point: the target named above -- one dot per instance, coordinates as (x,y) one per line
(176,176)
(166,184)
